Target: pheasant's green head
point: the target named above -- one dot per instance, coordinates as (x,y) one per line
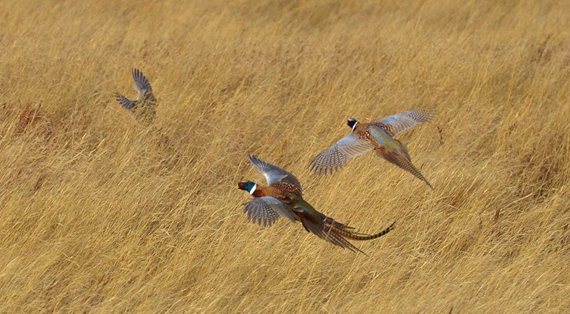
(247,186)
(351,122)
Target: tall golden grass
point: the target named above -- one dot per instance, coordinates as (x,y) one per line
(99,213)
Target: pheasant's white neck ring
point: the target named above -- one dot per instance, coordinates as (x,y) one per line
(354,126)
(253,189)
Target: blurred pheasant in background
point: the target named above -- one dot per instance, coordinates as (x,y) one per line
(144,107)
(283,196)
(378,136)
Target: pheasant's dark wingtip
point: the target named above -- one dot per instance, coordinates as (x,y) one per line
(430,113)
(321,171)
(253,159)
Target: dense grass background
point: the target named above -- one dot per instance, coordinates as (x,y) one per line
(100,213)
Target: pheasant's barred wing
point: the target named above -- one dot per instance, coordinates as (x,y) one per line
(264,210)
(125,102)
(339,154)
(404,121)
(274,174)
(141,84)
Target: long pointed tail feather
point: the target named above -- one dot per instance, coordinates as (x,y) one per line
(401,161)
(365,237)
(331,230)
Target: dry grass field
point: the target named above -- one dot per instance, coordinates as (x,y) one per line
(100,213)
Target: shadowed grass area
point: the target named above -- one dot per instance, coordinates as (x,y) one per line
(100,213)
